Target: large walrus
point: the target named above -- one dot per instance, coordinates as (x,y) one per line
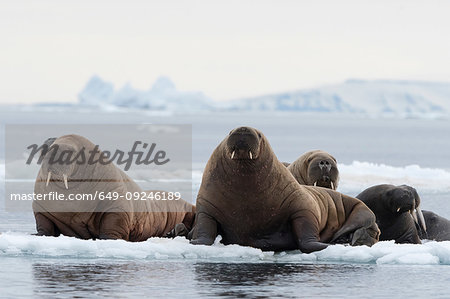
(316,168)
(250,198)
(438,227)
(398,212)
(131,220)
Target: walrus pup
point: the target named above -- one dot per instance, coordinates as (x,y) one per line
(399,216)
(316,168)
(438,227)
(250,198)
(131,220)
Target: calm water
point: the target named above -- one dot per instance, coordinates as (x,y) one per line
(117,279)
(393,142)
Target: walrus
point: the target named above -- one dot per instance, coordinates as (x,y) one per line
(398,212)
(250,198)
(131,220)
(315,168)
(438,227)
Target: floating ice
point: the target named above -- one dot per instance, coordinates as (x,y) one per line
(15,244)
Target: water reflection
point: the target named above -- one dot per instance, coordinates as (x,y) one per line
(110,278)
(189,279)
(271,280)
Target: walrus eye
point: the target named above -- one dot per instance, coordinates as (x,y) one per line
(259,135)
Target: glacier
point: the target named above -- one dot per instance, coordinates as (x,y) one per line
(376,98)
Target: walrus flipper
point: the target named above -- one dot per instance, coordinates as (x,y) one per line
(360,226)
(180,230)
(307,235)
(114,225)
(44,226)
(205,230)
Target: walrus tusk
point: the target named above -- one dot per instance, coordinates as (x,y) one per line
(315,183)
(398,210)
(65,181)
(48,178)
(421,219)
(232,155)
(332,185)
(414,215)
(250,154)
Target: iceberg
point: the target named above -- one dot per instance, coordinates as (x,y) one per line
(162,96)
(378,98)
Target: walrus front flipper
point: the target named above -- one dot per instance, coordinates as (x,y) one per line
(307,234)
(44,226)
(114,225)
(180,230)
(205,230)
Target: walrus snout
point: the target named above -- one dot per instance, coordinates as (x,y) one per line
(323,173)
(243,143)
(58,164)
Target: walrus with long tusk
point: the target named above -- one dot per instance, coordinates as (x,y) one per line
(131,220)
(250,198)
(438,227)
(316,168)
(398,212)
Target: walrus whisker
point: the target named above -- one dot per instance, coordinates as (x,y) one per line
(232,155)
(48,178)
(65,181)
(250,154)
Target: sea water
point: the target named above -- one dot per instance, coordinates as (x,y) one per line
(369,152)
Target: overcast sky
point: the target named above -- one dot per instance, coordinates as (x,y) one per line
(227,49)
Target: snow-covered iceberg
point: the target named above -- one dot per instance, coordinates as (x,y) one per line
(376,98)
(162,96)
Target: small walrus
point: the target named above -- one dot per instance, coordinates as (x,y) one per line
(131,220)
(398,212)
(315,168)
(438,227)
(250,198)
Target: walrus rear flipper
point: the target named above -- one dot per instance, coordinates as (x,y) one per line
(205,230)
(359,228)
(307,234)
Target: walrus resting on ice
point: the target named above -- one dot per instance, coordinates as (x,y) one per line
(316,168)
(131,220)
(397,210)
(250,198)
(438,227)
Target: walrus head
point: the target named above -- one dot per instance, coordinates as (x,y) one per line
(316,168)
(61,161)
(405,199)
(243,144)
(322,170)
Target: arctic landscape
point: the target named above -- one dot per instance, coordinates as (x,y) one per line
(382,131)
